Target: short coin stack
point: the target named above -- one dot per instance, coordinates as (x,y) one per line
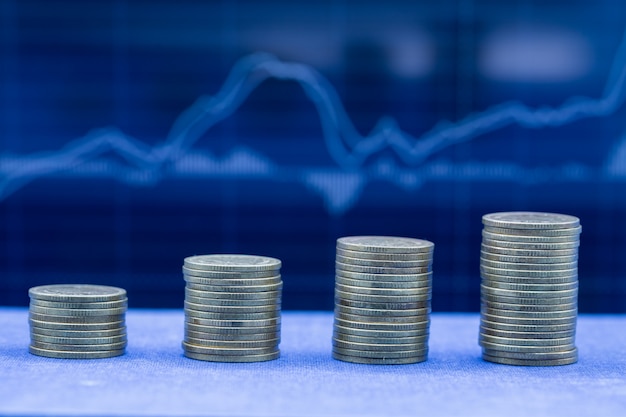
(76,321)
(383,288)
(529,289)
(232,308)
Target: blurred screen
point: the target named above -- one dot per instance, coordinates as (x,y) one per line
(136,133)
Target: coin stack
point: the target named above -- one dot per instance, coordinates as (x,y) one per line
(529,289)
(383,288)
(232,308)
(77,321)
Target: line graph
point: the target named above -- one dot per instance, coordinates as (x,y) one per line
(340,186)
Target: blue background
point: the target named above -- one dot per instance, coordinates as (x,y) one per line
(135,133)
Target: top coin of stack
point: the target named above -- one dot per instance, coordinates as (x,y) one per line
(382,299)
(529,289)
(232,308)
(77,321)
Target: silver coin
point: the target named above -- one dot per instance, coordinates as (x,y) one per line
(232,310)
(231,316)
(188,347)
(533,260)
(383,284)
(88,305)
(235,295)
(224,275)
(532,355)
(75,312)
(350,338)
(238,289)
(78,340)
(528,273)
(382,298)
(537,349)
(423,325)
(573,231)
(234,331)
(529,239)
(231,323)
(515,307)
(77,333)
(529,314)
(190,334)
(380,361)
(384,291)
(76,320)
(378,347)
(218,299)
(77,293)
(526,362)
(75,355)
(339,266)
(381,319)
(530,287)
(560,342)
(258,282)
(382,306)
(383,334)
(485,290)
(489,298)
(525,328)
(528,253)
(525,280)
(215,304)
(384,264)
(43,324)
(222,344)
(371,354)
(529,335)
(232,263)
(530,220)
(377,256)
(529,246)
(530,322)
(227,358)
(385,277)
(512,266)
(385,244)
(378,313)
(78,348)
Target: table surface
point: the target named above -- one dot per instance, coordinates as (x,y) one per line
(155,379)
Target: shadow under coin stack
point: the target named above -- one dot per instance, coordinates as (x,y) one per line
(77,321)
(529,289)
(383,288)
(232,308)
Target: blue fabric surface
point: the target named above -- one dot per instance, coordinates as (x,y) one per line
(154,379)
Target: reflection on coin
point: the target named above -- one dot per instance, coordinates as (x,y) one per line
(234,262)
(77,293)
(530,220)
(384,244)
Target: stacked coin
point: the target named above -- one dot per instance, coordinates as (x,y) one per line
(529,289)
(232,308)
(383,289)
(77,321)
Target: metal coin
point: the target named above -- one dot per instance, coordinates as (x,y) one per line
(234,331)
(385,244)
(226,305)
(384,291)
(43,324)
(537,349)
(378,313)
(76,320)
(383,284)
(229,275)
(382,306)
(381,319)
(188,347)
(78,340)
(385,277)
(378,347)
(78,333)
(529,246)
(526,300)
(377,256)
(222,344)
(530,322)
(382,298)
(528,253)
(231,316)
(78,348)
(234,295)
(190,334)
(75,355)
(88,305)
(231,323)
(77,293)
(526,294)
(227,358)
(573,231)
(511,266)
(424,325)
(530,220)
(529,259)
(380,270)
(529,314)
(232,310)
(513,307)
(232,263)
(259,282)
(525,328)
(349,338)
(526,280)
(383,334)
(380,355)
(529,273)
(565,341)
(526,362)
(564,354)
(384,264)
(529,335)
(529,239)
(380,361)
(99,312)
(237,289)
(530,287)
(219,300)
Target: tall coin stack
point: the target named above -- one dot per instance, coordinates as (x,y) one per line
(232,308)
(76,321)
(529,289)
(383,288)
